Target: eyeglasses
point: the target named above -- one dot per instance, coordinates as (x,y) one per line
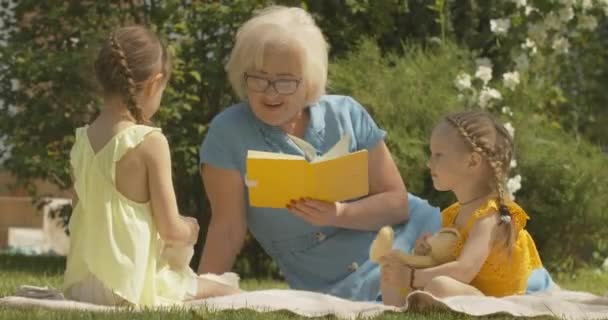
(281,86)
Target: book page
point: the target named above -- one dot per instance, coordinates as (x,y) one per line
(253,154)
(310,152)
(341,148)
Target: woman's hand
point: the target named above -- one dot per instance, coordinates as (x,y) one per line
(317,212)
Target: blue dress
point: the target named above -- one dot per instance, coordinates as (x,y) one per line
(324,259)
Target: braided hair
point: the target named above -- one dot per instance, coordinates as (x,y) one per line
(489,138)
(129,57)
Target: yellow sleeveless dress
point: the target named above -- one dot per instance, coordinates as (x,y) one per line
(502,273)
(115,248)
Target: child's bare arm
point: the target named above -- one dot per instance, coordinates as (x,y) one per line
(471,259)
(172,227)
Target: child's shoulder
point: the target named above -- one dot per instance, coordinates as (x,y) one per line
(491,209)
(146,141)
(150,138)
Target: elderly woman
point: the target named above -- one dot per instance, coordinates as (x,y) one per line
(278,67)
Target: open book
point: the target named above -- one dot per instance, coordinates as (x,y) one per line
(274,179)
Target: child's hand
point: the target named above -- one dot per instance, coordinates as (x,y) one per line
(194,229)
(317,212)
(422,247)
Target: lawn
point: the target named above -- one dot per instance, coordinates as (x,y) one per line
(47,271)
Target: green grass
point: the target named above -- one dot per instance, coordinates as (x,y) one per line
(47,271)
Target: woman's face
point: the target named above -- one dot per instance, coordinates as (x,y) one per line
(276,91)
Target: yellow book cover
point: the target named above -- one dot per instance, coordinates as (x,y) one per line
(274,179)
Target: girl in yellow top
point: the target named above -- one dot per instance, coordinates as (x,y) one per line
(470,155)
(125,211)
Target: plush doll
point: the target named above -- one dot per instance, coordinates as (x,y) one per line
(177,257)
(435,250)
(438,250)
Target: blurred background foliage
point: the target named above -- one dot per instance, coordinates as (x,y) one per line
(398,58)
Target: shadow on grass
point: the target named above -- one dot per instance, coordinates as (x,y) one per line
(48,265)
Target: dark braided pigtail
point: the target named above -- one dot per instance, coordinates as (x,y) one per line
(128,59)
(129,91)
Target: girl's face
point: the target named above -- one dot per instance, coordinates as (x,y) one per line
(276,91)
(450,160)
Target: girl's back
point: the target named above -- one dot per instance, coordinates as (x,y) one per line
(130,172)
(122,179)
(114,238)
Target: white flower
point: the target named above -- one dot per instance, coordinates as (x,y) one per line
(484,73)
(604,3)
(530,44)
(500,26)
(506,110)
(537,33)
(510,129)
(522,63)
(511,79)
(587,4)
(561,45)
(552,21)
(566,14)
(488,94)
(587,22)
(463,81)
(513,185)
(520,3)
(530,9)
(513,163)
(483,61)
(74,40)
(484,69)
(15,84)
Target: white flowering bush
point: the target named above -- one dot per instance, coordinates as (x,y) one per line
(564,186)
(540,33)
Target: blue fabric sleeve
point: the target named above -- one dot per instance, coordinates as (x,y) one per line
(367,133)
(218,149)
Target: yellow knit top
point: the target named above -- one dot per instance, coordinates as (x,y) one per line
(503,273)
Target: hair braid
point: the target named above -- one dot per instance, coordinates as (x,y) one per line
(474,128)
(129,90)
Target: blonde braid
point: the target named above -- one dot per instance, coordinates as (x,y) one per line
(471,127)
(129,91)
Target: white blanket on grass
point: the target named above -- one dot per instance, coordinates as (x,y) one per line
(563,304)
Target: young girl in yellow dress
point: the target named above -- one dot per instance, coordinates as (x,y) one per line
(470,155)
(125,212)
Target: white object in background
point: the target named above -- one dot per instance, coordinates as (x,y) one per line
(26,239)
(55,238)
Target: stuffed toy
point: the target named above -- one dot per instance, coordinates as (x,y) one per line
(435,250)
(177,257)
(439,248)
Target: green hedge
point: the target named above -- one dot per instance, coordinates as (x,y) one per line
(564,179)
(406,87)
